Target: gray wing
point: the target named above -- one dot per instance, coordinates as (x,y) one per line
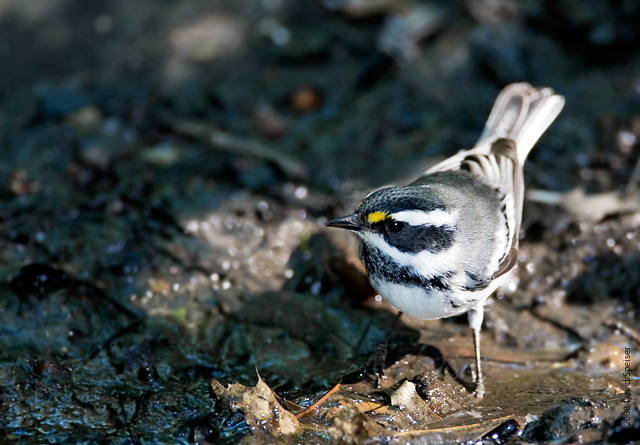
(501,170)
(519,116)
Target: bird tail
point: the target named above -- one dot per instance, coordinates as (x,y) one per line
(521,113)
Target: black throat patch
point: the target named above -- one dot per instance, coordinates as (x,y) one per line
(382,267)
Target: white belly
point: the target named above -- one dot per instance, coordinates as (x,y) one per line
(417,303)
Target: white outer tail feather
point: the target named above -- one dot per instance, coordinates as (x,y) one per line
(521,113)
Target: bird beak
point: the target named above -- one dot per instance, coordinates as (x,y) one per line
(349,222)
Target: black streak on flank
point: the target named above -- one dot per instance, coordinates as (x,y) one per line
(479,283)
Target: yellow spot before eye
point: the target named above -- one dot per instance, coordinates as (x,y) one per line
(375,217)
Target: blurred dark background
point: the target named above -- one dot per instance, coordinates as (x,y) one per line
(419,76)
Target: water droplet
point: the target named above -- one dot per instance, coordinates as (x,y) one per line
(301,192)
(192,226)
(102,24)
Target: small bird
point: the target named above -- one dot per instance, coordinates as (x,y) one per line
(440,246)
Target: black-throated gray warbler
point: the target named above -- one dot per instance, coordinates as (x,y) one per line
(441,245)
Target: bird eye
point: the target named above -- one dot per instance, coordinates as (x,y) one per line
(396,226)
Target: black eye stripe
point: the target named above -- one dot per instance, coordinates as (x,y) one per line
(415,239)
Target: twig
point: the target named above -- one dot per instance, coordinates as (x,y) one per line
(320,401)
(242,146)
(626,330)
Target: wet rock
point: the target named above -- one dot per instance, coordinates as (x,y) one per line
(165,154)
(441,394)
(213,36)
(626,428)
(147,373)
(39,279)
(493,11)
(59,102)
(96,157)
(348,425)
(341,267)
(85,119)
(503,433)
(19,183)
(269,122)
(565,421)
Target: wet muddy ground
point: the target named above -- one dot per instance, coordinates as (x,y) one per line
(165,173)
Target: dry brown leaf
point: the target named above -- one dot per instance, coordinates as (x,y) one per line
(407,400)
(261,409)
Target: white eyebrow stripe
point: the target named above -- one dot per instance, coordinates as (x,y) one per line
(437,218)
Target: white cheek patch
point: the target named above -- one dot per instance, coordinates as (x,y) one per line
(438,218)
(426,263)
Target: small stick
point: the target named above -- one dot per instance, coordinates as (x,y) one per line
(626,330)
(320,401)
(222,140)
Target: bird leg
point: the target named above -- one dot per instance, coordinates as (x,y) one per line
(479,392)
(475,323)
